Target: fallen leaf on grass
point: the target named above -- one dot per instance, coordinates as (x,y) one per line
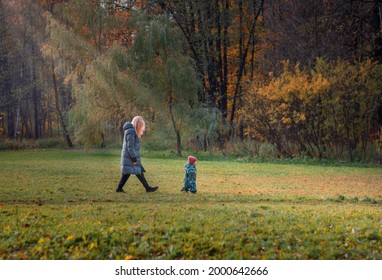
(70,237)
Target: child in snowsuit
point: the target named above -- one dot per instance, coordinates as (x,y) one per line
(190,176)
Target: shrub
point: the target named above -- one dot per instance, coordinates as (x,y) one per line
(45,143)
(48,143)
(244,149)
(267,151)
(9,144)
(334,106)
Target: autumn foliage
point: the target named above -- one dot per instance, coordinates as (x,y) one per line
(327,111)
(81,64)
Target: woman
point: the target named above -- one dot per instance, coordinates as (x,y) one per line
(130,156)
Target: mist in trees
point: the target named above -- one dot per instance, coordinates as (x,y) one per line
(302,76)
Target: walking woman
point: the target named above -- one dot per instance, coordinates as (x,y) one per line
(130,155)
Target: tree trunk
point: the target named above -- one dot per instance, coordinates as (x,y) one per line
(219,69)
(6,87)
(18,110)
(209,50)
(65,132)
(240,72)
(376,24)
(176,129)
(224,83)
(35,97)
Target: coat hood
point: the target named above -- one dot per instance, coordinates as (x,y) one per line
(127,125)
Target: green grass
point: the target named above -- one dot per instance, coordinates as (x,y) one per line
(63,205)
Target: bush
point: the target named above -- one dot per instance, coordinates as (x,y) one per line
(8,144)
(46,143)
(158,141)
(244,149)
(267,151)
(331,107)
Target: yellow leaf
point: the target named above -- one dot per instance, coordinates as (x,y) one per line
(92,245)
(70,237)
(41,241)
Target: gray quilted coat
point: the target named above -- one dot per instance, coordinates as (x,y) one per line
(130,151)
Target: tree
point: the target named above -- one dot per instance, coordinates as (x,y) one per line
(57,61)
(89,54)
(5,74)
(22,27)
(158,60)
(300,31)
(220,35)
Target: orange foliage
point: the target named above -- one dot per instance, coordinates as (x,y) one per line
(333,105)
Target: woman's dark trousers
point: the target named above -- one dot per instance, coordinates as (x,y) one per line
(125,177)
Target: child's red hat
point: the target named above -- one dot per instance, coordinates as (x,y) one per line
(192,159)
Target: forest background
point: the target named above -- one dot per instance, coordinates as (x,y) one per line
(251,78)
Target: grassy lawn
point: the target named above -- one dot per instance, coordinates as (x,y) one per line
(63,205)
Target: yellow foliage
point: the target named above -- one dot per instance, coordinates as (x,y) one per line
(285,120)
(92,245)
(334,103)
(70,237)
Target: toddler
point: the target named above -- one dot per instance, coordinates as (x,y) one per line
(190,176)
